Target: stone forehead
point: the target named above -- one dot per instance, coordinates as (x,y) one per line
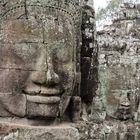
(68,10)
(27,30)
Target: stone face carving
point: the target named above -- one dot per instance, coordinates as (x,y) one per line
(119,65)
(39,61)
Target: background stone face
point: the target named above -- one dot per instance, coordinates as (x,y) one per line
(119,60)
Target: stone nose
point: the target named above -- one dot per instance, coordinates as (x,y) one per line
(124,101)
(44,73)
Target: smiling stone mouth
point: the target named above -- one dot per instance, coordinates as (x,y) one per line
(43,92)
(43,96)
(43,99)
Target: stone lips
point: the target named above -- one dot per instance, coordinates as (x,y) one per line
(43,100)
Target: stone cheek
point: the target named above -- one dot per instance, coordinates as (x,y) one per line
(46,110)
(12,105)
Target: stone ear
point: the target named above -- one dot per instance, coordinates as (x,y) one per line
(78,77)
(77,84)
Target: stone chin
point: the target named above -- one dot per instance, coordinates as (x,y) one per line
(46,107)
(42,106)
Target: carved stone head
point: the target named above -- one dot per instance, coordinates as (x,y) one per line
(39,65)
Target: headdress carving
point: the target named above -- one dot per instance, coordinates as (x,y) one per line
(69,7)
